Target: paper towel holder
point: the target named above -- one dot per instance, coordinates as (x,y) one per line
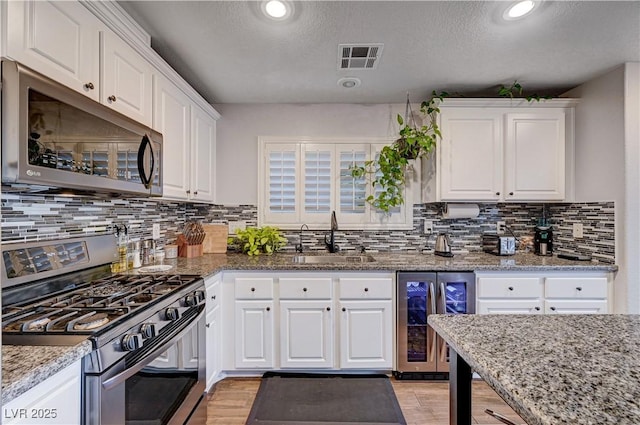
(460,210)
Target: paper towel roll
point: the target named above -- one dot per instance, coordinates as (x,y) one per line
(460,211)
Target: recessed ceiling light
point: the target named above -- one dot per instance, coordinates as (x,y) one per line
(520,9)
(278,10)
(349,82)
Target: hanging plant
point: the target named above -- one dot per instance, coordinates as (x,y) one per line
(387,172)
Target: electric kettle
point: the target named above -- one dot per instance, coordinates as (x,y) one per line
(443,246)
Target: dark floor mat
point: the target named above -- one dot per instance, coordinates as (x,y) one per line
(321,399)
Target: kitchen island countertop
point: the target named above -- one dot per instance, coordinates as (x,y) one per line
(553,369)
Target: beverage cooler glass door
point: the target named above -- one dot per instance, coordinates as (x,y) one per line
(416,341)
(456,295)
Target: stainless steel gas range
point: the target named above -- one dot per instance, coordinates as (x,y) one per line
(147,330)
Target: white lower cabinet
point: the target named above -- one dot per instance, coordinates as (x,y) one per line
(213,340)
(306,334)
(54,401)
(254,334)
(254,322)
(366,322)
(213,330)
(366,334)
(549,293)
(321,320)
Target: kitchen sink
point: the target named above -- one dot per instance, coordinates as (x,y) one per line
(332,259)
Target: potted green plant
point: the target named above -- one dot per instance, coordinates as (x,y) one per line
(258,240)
(388,171)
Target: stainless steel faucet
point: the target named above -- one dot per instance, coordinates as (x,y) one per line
(331,243)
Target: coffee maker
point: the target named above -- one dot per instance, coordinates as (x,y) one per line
(543,238)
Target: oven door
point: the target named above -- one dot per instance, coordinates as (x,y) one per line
(161,387)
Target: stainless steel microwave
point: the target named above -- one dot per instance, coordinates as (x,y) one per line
(54,137)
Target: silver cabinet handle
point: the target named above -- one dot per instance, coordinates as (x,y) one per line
(432,294)
(443,298)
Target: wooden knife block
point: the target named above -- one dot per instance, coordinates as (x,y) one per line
(188,251)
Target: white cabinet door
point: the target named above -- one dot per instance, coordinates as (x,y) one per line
(59,39)
(535,155)
(189,349)
(167,360)
(575,306)
(172,119)
(213,340)
(366,335)
(470,157)
(126,79)
(254,334)
(306,336)
(203,147)
(54,401)
(510,306)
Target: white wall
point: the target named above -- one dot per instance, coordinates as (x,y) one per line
(241,124)
(606,163)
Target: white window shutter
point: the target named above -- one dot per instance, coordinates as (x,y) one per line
(281,186)
(318,160)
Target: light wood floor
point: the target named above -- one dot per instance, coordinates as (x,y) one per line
(422,402)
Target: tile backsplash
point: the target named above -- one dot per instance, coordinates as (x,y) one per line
(27,217)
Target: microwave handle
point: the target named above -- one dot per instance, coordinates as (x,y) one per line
(144,144)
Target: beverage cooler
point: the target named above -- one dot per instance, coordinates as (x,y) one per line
(421,353)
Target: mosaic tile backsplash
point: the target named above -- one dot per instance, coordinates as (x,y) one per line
(27,217)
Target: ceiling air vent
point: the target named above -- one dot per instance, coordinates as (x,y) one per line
(359,56)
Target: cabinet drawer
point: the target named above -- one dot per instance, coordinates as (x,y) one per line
(533,306)
(576,287)
(509,287)
(305,288)
(254,288)
(365,288)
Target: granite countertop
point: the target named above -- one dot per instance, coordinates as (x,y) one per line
(477,261)
(25,366)
(554,369)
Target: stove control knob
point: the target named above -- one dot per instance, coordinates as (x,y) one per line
(131,342)
(192,300)
(171,313)
(148,330)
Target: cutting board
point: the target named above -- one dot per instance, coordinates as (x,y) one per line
(216,240)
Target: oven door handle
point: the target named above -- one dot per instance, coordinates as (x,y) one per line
(128,373)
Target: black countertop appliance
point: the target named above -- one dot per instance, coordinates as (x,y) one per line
(543,238)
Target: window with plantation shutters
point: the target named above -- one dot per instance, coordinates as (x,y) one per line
(302,182)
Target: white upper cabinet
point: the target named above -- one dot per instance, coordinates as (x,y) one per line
(59,39)
(126,79)
(203,147)
(189,142)
(66,42)
(470,154)
(503,152)
(172,118)
(535,155)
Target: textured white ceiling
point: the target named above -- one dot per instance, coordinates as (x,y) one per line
(232,54)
